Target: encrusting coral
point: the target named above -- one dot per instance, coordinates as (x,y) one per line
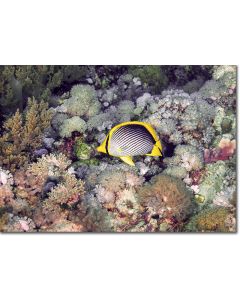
(22,134)
(213,220)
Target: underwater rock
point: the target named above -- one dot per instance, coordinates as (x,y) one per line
(48,143)
(40,152)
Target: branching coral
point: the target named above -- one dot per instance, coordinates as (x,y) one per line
(116,192)
(50,165)
(22,134)
(28,186)
(69,191)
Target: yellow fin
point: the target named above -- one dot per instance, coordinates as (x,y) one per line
(159,145)
(155,151)
(128,160)
(102,147)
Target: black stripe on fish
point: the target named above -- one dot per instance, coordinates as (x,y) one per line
(106,146)
(133,139)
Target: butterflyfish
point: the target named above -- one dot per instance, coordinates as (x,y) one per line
(130,139)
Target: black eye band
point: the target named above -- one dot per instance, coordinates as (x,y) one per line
(107,142)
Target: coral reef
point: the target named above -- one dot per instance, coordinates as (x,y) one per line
(52,179)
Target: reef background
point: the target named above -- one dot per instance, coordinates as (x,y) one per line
(52,118)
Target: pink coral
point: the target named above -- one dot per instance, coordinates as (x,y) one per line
(226,149)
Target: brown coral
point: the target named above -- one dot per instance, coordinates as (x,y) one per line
(6,196)
(214,220)
(22,134)
(28,186)
(6,193)
(166,197)
(69,191)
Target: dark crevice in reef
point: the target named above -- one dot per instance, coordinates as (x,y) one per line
(168,149)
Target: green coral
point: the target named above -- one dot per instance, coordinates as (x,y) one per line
(82,150)
(71,125)
(225,121)
(213,180)
(152,76)
(226,76)
(176,171)
(222,84)
(186,158)
(211,220)
(83,101)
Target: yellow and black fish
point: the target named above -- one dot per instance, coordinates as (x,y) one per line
(130,139)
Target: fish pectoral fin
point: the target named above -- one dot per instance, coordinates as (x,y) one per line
(128,160)
(155,151)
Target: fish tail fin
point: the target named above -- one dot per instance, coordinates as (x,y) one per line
(128,160)
(156,151)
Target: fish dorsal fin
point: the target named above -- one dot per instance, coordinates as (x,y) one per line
(128,160)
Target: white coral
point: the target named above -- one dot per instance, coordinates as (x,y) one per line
(6,177)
